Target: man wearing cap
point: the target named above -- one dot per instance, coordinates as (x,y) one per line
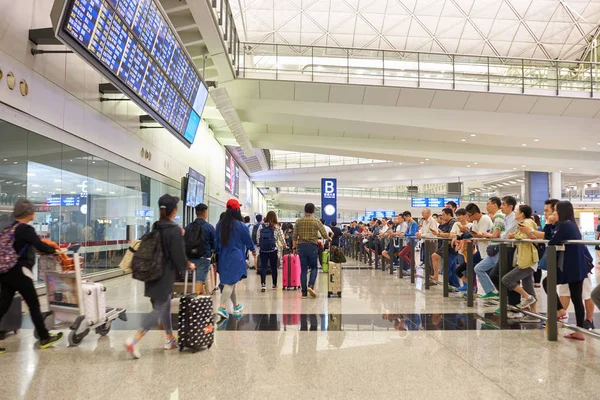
(19,278)
(305,238)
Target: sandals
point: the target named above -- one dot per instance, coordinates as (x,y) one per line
(571,336)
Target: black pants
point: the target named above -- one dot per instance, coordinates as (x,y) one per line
(576,290)
(268,259)
(514,298)
(14,281)
(537,276)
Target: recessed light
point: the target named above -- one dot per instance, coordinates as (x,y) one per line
(475,163)
(463,140)
(536,140)
(422,162)
(473,135)
(571,168)
(427,159)
(523,166)
(58,180)
(15,162)
(112,192)
(6,159)
(584,148)
(524,144)
(468,166)
(559,171)
(514,168)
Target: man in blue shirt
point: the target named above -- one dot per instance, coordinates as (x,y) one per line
(208,233)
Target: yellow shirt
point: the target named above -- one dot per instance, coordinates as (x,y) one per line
(527,254)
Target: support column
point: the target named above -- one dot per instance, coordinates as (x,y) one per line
(555,185)
(537,190)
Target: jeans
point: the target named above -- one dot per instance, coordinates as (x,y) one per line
(308,260)
(15,281)
(202,268)
(268,259)
(481,270)
(161,312)
(452,277)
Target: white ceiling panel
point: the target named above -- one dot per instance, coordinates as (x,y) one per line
(550,106)
(449,100)
(541,27)
(346,94)
(275,90)
(582,108)
(517,104)
(483,102)
(415,98)
(304,131)
(381,96)
(313,92)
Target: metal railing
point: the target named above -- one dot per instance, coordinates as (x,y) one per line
(383,194)
(354,247)
(418,69)
(229,32)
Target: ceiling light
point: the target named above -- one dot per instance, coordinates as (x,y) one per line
(468,166)
(6,159)
(559,171)
(35,192)
(475,163)
(463,140)
(514,168)
(512,182)
(112,192)
(98,189)
(58,180)
(584,148)
(571,168)
(422,162)
(536,140)
(15,162)
(524,144)
(523,166)
(473,135)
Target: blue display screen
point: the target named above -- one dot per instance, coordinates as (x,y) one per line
(133,41)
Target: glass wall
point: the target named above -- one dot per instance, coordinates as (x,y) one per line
(80,198)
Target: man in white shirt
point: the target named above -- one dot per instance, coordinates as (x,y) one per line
(428,230)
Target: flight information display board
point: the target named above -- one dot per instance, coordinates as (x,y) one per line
(433,202)
(132,44)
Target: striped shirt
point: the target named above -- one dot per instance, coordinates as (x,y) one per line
(307,229)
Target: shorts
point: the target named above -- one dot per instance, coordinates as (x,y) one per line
(202,268)
(563,290)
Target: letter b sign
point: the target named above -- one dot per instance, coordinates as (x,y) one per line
(329,187)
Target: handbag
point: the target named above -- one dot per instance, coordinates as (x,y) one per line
(492,250)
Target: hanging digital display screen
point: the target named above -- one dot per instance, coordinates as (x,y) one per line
(131,43)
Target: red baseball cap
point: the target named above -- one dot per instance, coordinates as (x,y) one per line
(233,204)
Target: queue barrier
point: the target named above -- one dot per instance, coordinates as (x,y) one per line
(356,249)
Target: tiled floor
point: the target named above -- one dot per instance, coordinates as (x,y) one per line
(384,338)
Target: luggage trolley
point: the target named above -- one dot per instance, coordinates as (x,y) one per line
(64,292)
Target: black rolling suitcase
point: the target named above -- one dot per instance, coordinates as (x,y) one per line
(11,322)
(196,320)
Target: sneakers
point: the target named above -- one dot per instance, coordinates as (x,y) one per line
(529,319)
(131,347)
(514,315)
(223,312)
(51,341)
(274,287)
(433,282)
(304,295)
(170,344)
(526,302)
(463,288)
(238,309)
(263,288)
(589,325)
(490,295)
(564,318)
(312,292)
(2,350)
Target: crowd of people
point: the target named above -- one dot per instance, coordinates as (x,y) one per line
(503,219)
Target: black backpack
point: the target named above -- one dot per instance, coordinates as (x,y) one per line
(254,232)
(148,261)
(194,240)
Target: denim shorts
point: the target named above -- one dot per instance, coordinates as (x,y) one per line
(202,268)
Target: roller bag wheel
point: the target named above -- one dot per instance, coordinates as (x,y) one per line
(291,271)
(11,322)
(334,281)
(196,321)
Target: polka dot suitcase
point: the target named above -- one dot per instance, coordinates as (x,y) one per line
(196,321)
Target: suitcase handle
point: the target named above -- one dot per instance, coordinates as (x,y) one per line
(185,285)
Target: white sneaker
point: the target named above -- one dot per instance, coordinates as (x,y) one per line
(526,302)
(132,348)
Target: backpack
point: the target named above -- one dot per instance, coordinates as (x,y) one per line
(194,241)
(148,261)
(267,239)
(8,255)
(254,232)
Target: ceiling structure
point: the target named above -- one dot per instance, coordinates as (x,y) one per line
(546,29)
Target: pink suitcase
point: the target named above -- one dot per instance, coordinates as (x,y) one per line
(291,271)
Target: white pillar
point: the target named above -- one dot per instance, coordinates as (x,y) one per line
(555,185)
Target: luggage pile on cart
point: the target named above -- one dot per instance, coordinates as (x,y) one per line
(73,302)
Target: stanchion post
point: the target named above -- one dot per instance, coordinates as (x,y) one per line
(552,322)
(376,248)
(470,273)
(370,242)
(446,277)
(411,243)
(426,260)
(393,258)
(502,290)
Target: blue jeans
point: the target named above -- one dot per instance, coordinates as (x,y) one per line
(452,277)
(543,263)
(482,271)
(308,260)
(202,268)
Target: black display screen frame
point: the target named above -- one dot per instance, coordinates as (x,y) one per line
(64,36)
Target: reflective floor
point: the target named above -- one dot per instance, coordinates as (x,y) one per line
(385,338)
